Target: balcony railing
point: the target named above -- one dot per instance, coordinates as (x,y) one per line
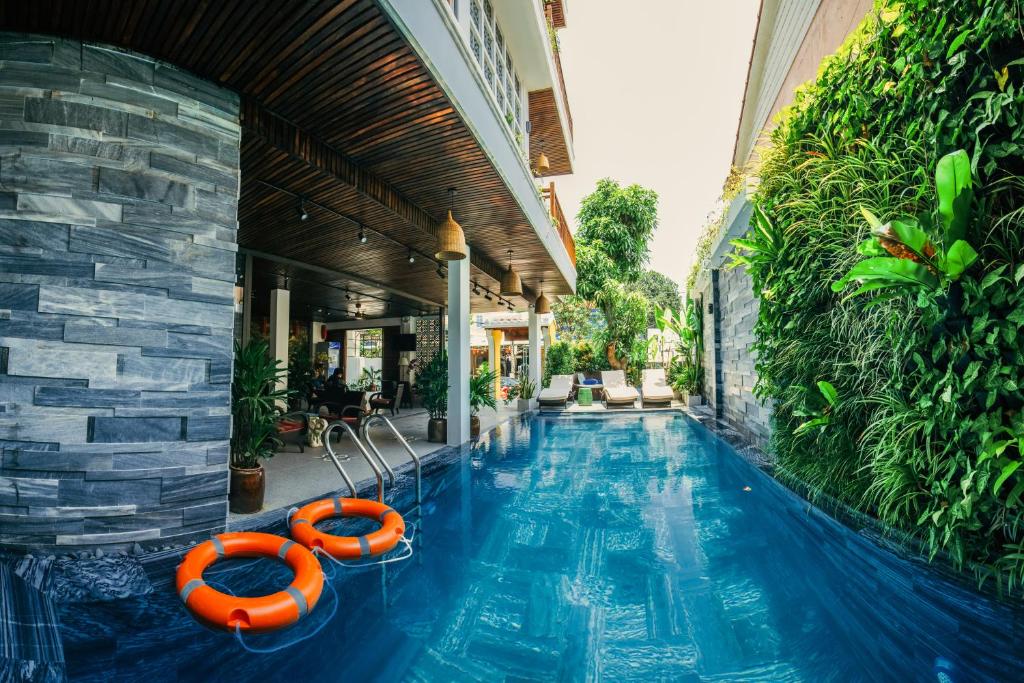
(548,15)
(558,220)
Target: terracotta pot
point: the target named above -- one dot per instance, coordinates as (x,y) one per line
(247,489)
(437,430)
(474,426)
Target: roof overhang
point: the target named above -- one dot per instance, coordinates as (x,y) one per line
(342,106)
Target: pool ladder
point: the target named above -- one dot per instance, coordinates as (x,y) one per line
(377,462)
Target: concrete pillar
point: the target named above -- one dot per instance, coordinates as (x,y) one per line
(458,351)
(280,300)
(494,359)
(533,359)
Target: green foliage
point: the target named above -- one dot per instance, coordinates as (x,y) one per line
(615,225)
(576,318)
(662,291)
(907,402)
(300,370)
(525,388)
(254,404)
(713,225)
(432,385)
(481,389)
(685,372)
(559,360)
(589,359)
(626,311)
(369,379)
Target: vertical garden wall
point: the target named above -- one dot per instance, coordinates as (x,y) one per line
(117,264)
(899,390)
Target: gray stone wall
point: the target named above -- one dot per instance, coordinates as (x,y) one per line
(739,407)
(118,195)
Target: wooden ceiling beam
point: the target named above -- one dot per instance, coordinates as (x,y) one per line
(303,146)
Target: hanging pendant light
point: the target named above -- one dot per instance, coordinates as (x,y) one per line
(511,284)
(543,165)
(451,241)
(542,305)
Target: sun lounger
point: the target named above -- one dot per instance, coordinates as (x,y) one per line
(557,392)
(616,391)
(655,389)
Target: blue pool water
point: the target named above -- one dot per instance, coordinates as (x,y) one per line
(582,550)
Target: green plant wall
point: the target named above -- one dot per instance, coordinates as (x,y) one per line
(924,424)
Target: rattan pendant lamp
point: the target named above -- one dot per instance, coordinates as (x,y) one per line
(511,284)
(451,241)
(543,164)
(541,305)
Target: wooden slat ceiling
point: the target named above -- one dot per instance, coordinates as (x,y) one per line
(546,132)
(342,72)
(316,295)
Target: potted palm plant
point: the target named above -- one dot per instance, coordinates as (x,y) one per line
(522,393)
(432,385)
(255,400)
(481,395)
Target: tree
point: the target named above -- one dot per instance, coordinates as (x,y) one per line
(615,225)
(662,291)
(576,318)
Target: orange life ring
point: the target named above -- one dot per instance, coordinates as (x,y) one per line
(250,614)
(348,547)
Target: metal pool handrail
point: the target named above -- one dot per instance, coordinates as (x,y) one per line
(326,436)
(405,444)
(373,449)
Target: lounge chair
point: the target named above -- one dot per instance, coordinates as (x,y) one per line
(616,391)
(655,389)
(595,386)
(557,392)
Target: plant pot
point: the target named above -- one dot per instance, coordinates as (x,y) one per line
(247,489)
(474,426)
(694,401)
(437,430)
(525,404)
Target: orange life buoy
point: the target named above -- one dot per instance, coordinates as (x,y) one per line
(347,547)
(250,614)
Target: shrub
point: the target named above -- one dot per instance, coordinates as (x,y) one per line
(559,360)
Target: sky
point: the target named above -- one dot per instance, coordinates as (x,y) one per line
(655,88)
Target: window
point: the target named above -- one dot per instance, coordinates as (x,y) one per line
(490,49)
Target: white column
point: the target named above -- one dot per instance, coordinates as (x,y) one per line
(533,358)
(279,305)
(458,351)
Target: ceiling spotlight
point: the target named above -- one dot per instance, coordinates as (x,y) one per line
(476,288)
(440,272)
(510,307)
(487,295)
(303,214)
(348,297)
(362,234)
(412,257)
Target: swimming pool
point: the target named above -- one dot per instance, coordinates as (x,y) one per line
(623,548)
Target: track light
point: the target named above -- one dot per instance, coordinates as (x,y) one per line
(348,297)
(510,307)
(487,295)
(362,234)
(440,272)
(476,288)
(303,214)
(412,257)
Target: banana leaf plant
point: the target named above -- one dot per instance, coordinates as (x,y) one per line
(902,256)
(821,415)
